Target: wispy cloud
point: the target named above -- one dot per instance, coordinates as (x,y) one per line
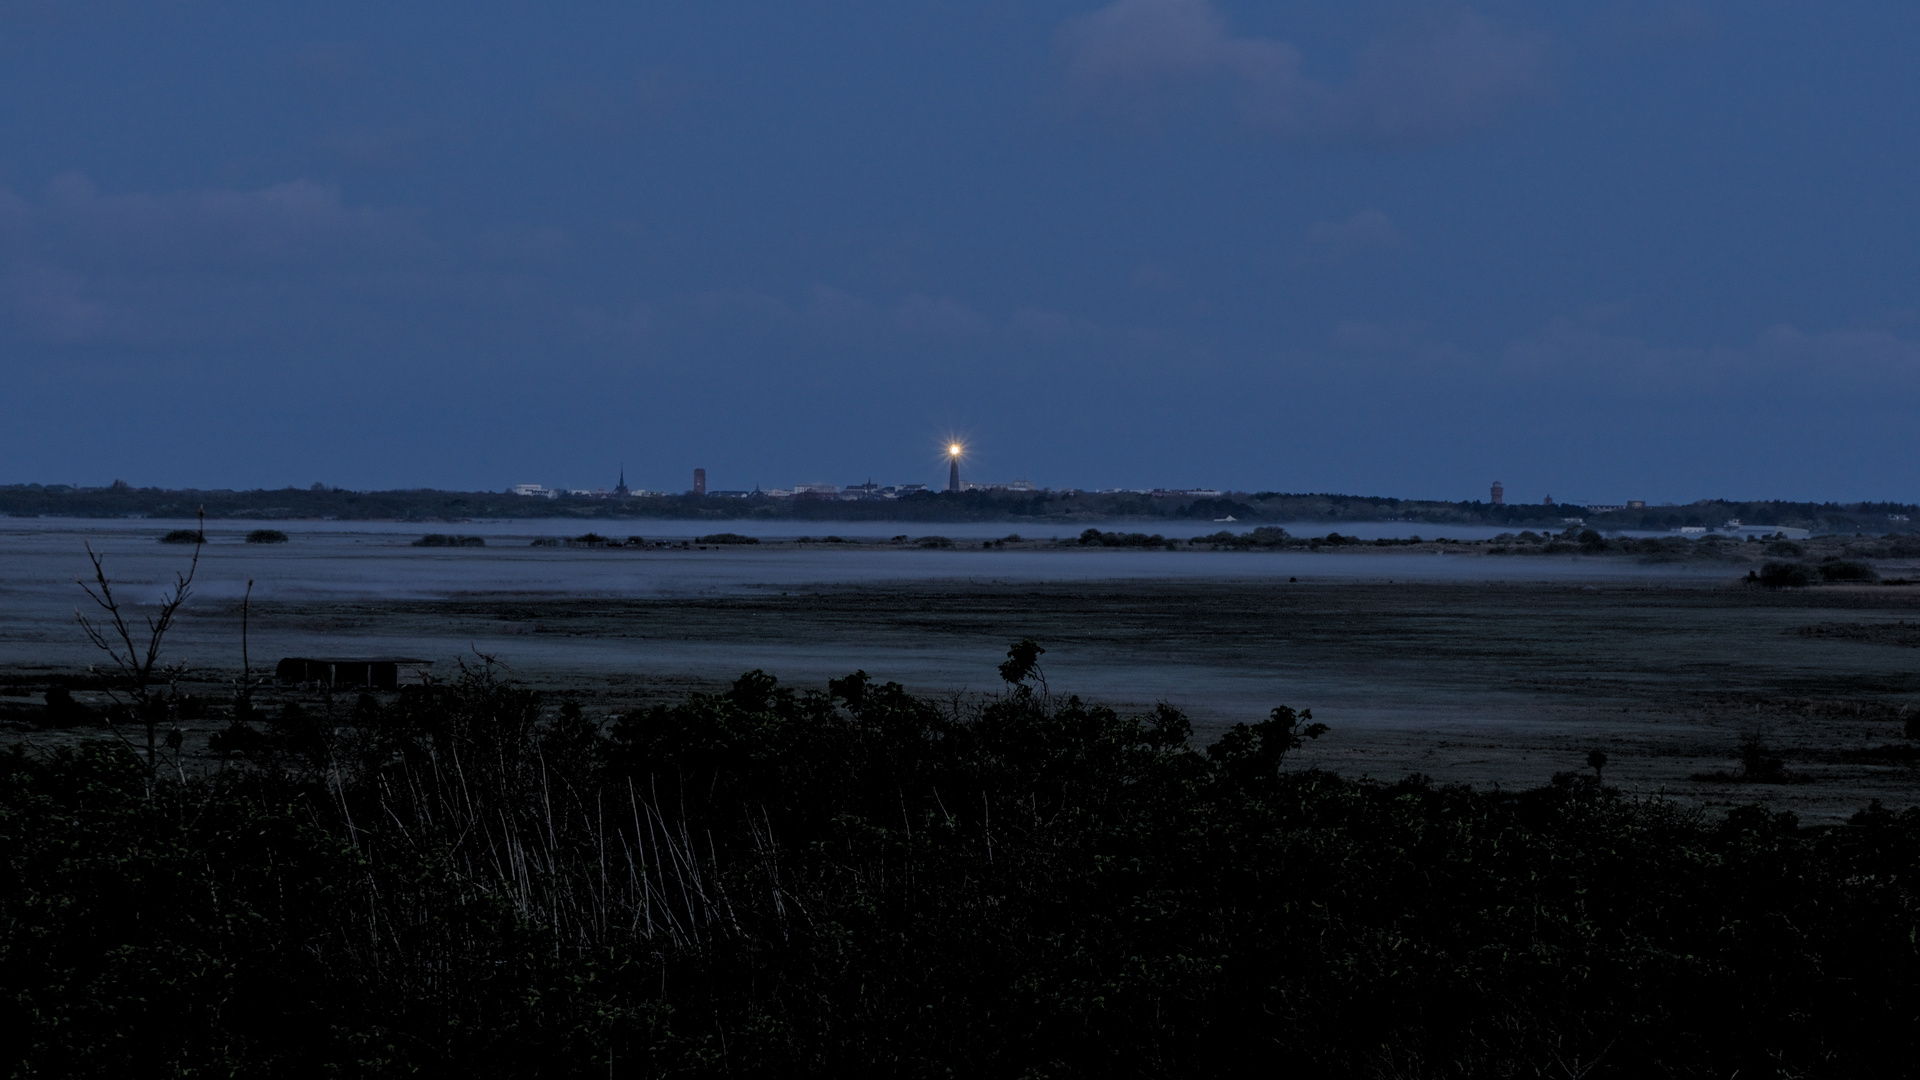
(608,110)
(290,263)
(1345,241)
(1783,363)
(1436,78)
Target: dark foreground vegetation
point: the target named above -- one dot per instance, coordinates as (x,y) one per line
(462,880)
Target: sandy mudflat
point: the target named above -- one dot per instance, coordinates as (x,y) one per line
(1467,668)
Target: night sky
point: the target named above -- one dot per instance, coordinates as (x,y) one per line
(1598,250)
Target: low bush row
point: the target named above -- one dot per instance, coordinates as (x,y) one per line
(463,880)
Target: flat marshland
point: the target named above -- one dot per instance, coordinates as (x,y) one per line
(1439,660)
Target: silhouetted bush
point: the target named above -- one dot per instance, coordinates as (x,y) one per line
(736,538)
(1785,547)
(447,540)
(1785,575)
(1836,569)
(184,536)
(1266,536)
(266,536)
(64,712)
(1096,538)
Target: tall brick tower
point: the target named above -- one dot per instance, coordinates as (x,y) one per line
(1499,494)
(699,481)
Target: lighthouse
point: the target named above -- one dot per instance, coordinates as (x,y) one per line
(953,467)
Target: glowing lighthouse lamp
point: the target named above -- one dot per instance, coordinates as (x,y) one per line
(953,466)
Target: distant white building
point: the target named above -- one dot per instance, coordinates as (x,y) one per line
(535,491)
(1735,528)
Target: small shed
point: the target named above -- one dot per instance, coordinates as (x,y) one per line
(374,672)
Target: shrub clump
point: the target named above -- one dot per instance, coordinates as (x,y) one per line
(435,540)
(266,536)
(1266,536)
(184,536)
(64,712)
(732,538)
(1834,568)
(1785,575)
(1096,538)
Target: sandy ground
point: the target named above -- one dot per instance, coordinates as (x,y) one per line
(1466,668)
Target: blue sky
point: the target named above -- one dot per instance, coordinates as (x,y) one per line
(1600,251)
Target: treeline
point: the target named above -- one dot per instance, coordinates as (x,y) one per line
(320,501)
(464,881)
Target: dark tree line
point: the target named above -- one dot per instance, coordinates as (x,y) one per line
(1063,507)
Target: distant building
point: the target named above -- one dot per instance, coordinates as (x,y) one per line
(620,489)
(1546,500)
(535,491)
(699,481)
(1636,504)
(1499,494)
(1605,508)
